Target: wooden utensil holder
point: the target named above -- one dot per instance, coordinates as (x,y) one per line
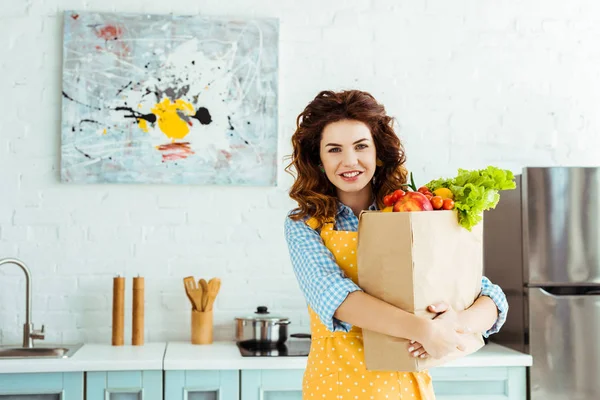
(202,327)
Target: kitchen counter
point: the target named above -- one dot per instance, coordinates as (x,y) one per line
(225,355)
(93,357)
(217,356)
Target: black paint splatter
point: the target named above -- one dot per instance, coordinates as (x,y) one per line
(203,115)
(79,102)
(124,87)
(231,128)
(137,115)
(84,153)
(92,121)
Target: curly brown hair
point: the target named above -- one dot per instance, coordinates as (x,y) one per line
(316,196)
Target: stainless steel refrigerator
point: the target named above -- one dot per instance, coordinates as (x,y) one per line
(542,246)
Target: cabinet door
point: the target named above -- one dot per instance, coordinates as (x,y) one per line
(46,386)
(490,383)
(272,384)
(124,385)
(202,385)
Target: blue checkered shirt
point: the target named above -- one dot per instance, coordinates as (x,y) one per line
(325,285)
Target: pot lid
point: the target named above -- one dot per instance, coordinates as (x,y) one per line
(262,314)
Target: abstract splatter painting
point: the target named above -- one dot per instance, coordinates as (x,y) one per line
(169,99)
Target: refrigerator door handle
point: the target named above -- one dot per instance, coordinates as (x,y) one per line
(564,291)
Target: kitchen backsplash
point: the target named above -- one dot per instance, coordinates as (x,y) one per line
(471,83)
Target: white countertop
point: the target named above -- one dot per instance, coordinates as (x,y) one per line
(222,355)
(216,356)
(225,355)
(93,357)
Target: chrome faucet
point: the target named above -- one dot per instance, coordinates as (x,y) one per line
(28,332)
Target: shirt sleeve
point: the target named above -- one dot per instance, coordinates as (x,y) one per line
(322,281)
(495,293)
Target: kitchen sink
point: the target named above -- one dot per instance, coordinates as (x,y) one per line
(42,351)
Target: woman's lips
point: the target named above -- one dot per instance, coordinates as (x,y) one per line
(350,176)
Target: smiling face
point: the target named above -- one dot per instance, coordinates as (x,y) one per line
(348,156)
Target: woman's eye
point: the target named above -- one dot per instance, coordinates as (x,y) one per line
(361,146)
(334,150)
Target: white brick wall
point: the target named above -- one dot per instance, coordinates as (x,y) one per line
(471,82)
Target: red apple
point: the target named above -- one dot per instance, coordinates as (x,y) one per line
(413,201)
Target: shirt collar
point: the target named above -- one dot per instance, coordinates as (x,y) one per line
(345,210)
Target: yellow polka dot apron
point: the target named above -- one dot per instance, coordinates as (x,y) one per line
(336,366)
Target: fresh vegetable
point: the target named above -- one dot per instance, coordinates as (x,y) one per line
(397,195)
(411,185)
(448,204)
(388,200)
(444,193)
(475,191)
(437,202)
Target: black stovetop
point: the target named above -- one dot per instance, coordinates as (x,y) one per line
(290,348)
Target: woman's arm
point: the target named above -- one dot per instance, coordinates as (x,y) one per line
(340,303)
(494,293)
(481,316)
(368,312)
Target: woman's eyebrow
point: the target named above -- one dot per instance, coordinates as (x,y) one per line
(339,145)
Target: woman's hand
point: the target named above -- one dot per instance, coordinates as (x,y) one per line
(443,336)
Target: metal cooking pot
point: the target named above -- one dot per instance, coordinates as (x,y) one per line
(262,327)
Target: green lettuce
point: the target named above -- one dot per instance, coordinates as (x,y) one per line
(475,191)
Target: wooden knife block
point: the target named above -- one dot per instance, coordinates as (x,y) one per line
(202,327)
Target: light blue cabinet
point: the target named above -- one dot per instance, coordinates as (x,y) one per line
(124,385)
(489,383)
(42,386)
(272,384)
(202,385)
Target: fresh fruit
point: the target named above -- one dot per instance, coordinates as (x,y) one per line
(448,204)
(423,189)
(397,195)
(429,196)
(444,193)
(413,201)
(437,202)
(388,209)
(388,200)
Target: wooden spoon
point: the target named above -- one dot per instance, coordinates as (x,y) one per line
(204,286)
(214,285)
(194,292)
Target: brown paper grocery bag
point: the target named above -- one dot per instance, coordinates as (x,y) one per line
(412,260)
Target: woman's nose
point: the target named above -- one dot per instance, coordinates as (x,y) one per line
(350,159)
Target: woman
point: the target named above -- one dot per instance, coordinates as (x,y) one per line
(347,157)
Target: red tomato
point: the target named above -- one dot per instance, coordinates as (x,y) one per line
(448,204)
(397,195)
(437,202)
(423,189)
(429,196)
(388,200)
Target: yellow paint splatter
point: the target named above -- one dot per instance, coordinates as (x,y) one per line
(143,124)
(169,121)
(104,131)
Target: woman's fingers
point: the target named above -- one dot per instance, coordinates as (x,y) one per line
(439,307)
(416,350)
(414,346)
